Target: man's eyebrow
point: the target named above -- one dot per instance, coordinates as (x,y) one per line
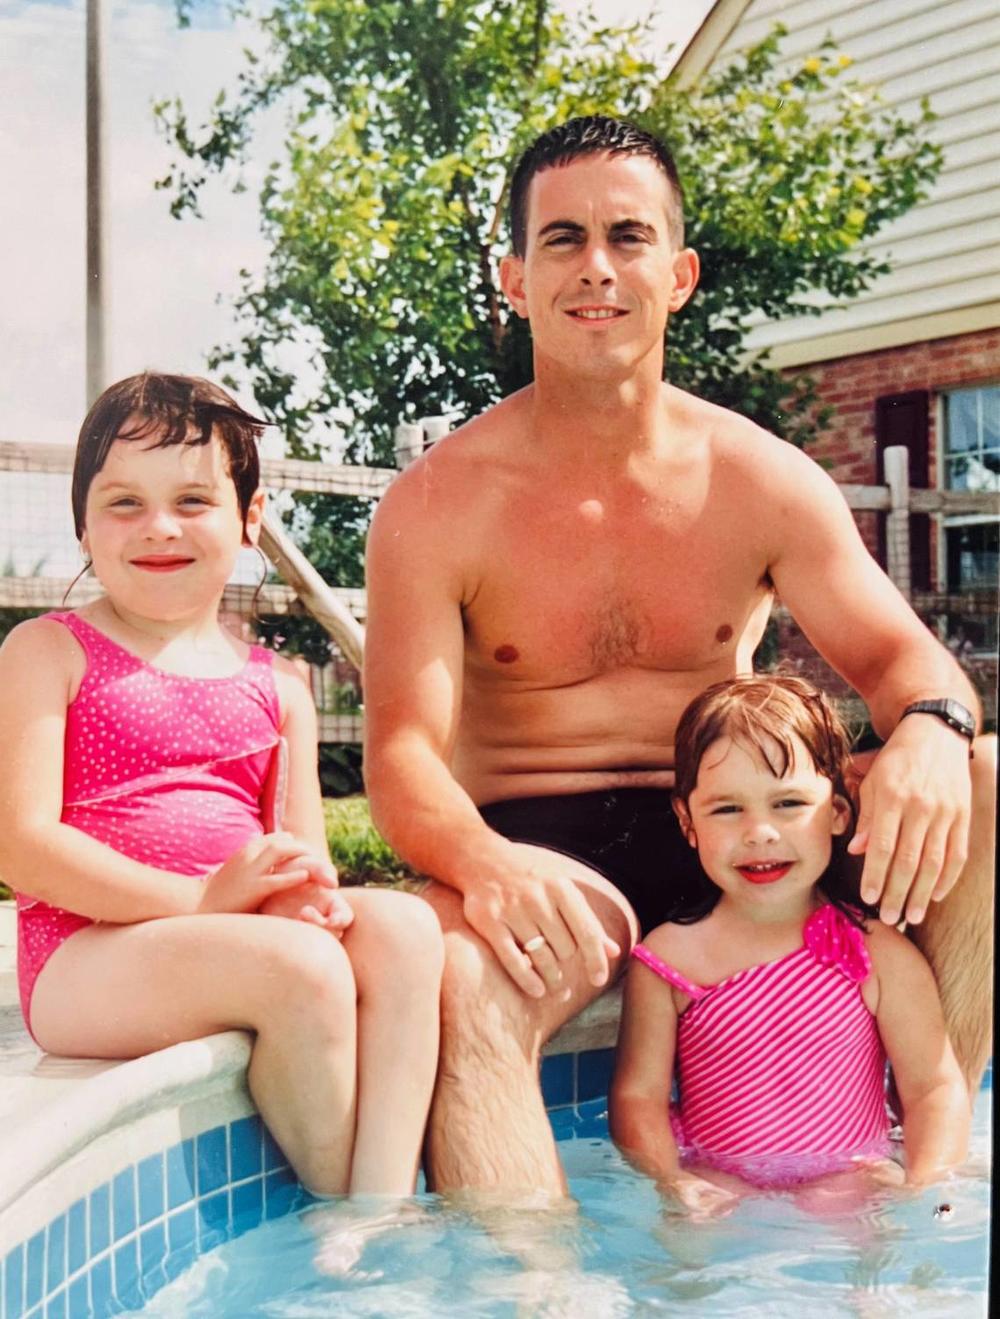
(648,230)
(566,226)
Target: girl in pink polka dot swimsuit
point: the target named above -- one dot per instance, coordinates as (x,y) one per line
(147,752)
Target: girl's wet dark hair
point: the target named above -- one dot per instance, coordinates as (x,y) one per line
(167,409)
(590,135)
(763,713)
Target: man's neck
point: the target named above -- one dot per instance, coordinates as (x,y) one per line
(598,422)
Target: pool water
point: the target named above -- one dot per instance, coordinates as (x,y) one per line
(617,1252)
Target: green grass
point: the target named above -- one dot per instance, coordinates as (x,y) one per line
(359,852)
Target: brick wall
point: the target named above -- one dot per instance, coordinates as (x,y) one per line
(851,385)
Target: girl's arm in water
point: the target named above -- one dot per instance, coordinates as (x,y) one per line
(639,1099)
(936,1114)
(62,866)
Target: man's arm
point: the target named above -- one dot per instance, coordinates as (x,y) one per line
(914,819)
(413,694)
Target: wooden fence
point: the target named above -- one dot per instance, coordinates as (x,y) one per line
(341,611)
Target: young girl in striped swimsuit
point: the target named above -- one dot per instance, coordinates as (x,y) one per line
(770,998)
(157,900)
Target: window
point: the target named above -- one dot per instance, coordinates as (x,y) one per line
(971,461)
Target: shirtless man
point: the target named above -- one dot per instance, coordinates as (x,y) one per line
(549,586)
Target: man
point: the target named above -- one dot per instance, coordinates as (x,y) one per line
(548,588)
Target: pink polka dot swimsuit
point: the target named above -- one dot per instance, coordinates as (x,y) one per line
(168,770)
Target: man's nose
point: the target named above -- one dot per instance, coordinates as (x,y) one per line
(597,265)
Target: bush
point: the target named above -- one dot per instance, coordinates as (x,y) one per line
(359,852)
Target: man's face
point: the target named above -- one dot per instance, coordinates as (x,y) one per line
(600,273)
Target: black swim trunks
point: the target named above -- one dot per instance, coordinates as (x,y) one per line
(631,836)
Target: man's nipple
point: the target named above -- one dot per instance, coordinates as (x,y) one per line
(506,654)
(724,634)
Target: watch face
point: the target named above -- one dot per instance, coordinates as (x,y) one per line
(960,715)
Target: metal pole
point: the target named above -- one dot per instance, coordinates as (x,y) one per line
(97,265)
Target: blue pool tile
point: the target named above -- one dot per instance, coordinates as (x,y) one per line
(55,1269)
(180,1174)
(274,1157)
(79,1298)
(245,1157)
(213,1161)
(152,1189)
(213,1221)
(152,1253)
(126,1258)
(76,1237)
(123,1203)
(55,1306)
(13,1282)
(100,1219)
(280,1189)
(593,1076)
(557,1079)
(181,1229)
(248,1205)
(101,1291)
(34,1288)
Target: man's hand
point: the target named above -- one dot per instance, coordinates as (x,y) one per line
(538,900)
(914,823)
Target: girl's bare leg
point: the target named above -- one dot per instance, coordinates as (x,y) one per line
(124,990)
(397,952)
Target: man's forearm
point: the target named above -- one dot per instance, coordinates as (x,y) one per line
(921,672)
(430,820)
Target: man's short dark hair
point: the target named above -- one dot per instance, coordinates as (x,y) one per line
(590,135)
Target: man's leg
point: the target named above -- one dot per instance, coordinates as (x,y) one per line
(956,935)
(488,1128)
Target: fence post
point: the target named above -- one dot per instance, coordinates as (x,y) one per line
(409,443)
(412,438)
(897,529)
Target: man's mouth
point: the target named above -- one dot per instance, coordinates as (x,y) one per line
(161,562)
(596,313)
(765,872)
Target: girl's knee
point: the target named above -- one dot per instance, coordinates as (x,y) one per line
(304,964)
(396,941)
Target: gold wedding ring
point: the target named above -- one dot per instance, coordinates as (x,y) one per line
(533,945)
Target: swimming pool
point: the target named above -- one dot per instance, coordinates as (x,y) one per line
(213,1224)
(619,1254)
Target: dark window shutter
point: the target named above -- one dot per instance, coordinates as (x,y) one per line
(905,419)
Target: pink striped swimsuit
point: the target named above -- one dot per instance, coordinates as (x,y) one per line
(168,770)
(780,1068)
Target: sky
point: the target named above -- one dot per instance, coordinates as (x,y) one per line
(169,280)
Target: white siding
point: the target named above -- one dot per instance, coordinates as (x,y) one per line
(946,252)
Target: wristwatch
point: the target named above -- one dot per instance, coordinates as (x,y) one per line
(953,713)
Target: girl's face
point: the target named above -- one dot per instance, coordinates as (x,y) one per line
(760,838)
(163,527)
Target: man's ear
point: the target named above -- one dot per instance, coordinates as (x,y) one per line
(686,269)
(841,814)
(512,283)
(684,818)
(254,517)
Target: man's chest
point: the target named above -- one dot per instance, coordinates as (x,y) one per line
(583,592)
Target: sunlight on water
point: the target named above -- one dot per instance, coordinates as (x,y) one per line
(619,1252)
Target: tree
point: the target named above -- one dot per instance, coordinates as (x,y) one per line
(386,214)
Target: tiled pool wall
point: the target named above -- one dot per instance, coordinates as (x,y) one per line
(118,1243)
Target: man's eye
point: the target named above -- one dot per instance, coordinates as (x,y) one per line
(193,499)
(124,502)
(791,801)
(724,810)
